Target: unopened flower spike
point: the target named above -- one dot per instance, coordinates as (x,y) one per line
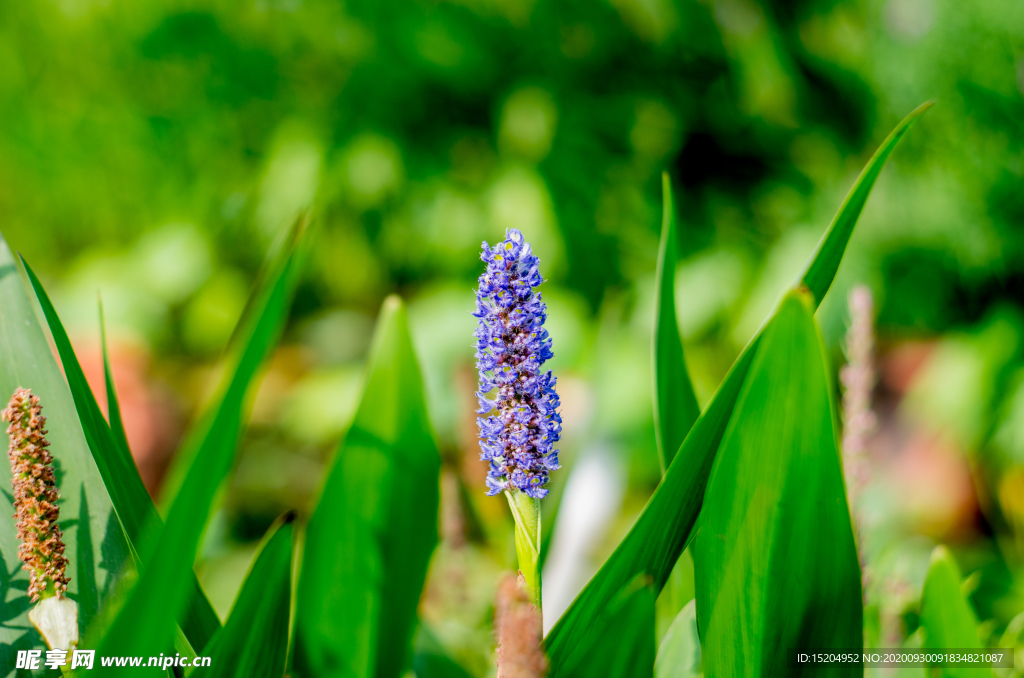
(519,421)
(36,511)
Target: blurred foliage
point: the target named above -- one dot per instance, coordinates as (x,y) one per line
(153,152)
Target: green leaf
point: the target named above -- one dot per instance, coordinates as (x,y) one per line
(134,506)
(371,536)
(254,640)
(675,405)
(95,543)
(825,260)
(776,564)
(527,518)
(144,625)
(113,406)
(665,527)
(622,642)
(679,655)
(946,617)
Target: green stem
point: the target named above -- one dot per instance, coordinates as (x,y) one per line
(526,512)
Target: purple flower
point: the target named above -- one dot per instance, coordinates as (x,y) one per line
(520,423)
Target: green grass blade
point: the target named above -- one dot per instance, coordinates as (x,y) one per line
(825,261)
(679,655)
(622,642)
(675,405)
(946,617)
(664,528)
(371,536)
(776,564)
(96,546)
(113,406)
(120,475)
(254,640)
(144,625)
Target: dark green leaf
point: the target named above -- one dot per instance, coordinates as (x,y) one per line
(946,617)
(254,640)
(679,655)
(776,565)
(95,544)
(144,625)
(621,644)
(134,507)
(675,405)
(664,528)
(370,539)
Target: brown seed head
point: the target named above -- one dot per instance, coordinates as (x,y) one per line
(518,626)
(35,496)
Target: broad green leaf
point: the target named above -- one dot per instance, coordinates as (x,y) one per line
(776,564)
(665,526)
(622,642)
(679,655)
(144,626)
(254,640)
(947,620)
(134,507)
(371,536)
(96,547)
(675,405)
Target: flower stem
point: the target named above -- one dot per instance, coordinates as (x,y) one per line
(526,512)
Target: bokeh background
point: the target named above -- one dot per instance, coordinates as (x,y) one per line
(153,153)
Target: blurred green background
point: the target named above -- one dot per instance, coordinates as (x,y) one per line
(154,152)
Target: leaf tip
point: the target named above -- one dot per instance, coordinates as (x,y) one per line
(801,294)
(940,554)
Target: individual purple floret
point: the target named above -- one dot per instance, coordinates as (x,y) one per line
(520,423)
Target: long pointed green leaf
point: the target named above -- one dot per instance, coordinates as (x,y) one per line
(664,528)
(254,640)
(946,617)
(144,625)
(825,261)
(373,531)
(776,565)
(120,475)
(95,543)
(675,405)
(622,642)
(113,405)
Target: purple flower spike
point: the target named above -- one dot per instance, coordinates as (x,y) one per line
(520,423)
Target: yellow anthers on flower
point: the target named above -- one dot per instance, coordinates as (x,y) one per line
(518,626)
(35,497)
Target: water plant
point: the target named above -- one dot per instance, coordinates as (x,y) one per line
(753,484)
(519,422)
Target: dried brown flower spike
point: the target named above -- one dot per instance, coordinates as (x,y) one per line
(35,503)
(518,626)
(35,497)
